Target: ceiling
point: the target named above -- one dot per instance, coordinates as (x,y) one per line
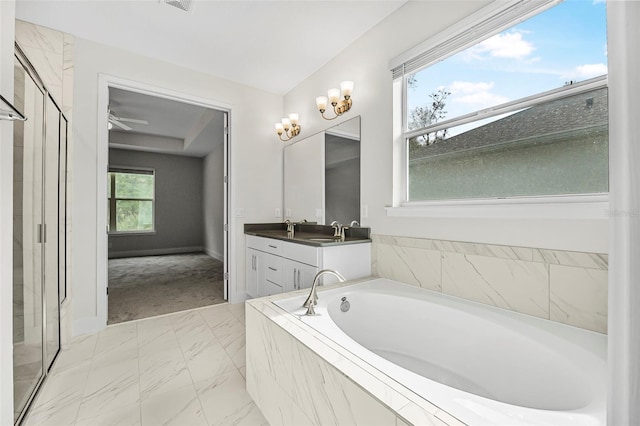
(267,44)
(174,127)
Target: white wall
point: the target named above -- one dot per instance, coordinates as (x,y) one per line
(213,202)
(7,18)
(256,160)
(366,63)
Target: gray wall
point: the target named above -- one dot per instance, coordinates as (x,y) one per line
(178,205)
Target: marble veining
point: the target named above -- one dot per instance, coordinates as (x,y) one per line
(39,37)
(526,280)
(560,257)
(168,370)
(329,394)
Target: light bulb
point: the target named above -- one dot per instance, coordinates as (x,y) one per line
(279,128)
(334,95)
(346,87)
(321,102)
(293,117)
(286,123)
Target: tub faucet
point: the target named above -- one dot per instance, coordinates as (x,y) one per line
(312,300)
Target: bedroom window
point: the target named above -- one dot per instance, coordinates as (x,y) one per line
(131,200)
(514,105)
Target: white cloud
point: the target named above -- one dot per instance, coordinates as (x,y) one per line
(509,45)
(586,71)
(475,94)
(469,87)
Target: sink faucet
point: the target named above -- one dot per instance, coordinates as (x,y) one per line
(354,223)
(337,229)
(312,300)
(290,227)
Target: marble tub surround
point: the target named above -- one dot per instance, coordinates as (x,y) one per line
(296,376)
(567,287)
(304,231)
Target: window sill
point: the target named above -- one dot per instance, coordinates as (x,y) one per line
(558,207)
(131,233)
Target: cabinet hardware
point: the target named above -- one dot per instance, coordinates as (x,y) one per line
(273,269)
(273,247)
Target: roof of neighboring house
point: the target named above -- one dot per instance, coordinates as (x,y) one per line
(541,123)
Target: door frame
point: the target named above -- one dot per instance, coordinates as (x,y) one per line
(105,81)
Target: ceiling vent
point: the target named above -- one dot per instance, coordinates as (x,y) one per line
(180,4)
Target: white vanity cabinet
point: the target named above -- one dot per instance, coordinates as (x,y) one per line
(275,266)
(253,273)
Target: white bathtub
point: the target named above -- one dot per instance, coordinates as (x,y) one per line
(480,364)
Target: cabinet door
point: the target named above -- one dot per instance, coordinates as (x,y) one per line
(297,275)
(253,264)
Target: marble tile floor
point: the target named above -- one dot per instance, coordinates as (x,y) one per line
(186,368)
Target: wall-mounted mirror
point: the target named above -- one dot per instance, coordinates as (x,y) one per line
(322,176)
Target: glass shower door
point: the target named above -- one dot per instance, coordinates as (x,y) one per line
(27,241)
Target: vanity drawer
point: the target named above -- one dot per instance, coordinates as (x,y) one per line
(301,253)
(269,245)
(273,269)
(271,288)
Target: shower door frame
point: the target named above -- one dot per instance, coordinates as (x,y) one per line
(47,99)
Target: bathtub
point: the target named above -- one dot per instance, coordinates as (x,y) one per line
(480,364)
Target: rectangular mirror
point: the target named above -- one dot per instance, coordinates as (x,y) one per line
(322,176)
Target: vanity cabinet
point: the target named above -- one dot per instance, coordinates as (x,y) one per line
(274,266)
(253,271)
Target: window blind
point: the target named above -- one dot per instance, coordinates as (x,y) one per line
(478,27)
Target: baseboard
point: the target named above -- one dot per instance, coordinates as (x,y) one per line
(215,255)
(154,252)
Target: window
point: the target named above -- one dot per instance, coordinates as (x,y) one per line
(513,110)
(131,200)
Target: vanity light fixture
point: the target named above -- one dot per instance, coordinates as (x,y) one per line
(288,126)
(339,106)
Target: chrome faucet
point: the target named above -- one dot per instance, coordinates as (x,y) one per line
(312,300)
(354,223)
(337,229)
(290,227)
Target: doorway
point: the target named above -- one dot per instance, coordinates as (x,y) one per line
(167,204)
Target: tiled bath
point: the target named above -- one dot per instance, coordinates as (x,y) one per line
(567,287)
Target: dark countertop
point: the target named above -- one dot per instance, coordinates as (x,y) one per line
(304,232)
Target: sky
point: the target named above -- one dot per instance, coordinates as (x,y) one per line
(562,44)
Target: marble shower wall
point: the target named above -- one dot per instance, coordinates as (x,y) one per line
(567,287)
(51,54)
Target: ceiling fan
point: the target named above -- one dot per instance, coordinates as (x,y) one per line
(119,121)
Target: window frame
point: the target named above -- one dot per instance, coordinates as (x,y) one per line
(507,15)
(112,200)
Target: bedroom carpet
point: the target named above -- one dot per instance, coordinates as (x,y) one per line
(142,287)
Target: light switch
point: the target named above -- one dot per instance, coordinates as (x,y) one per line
(276,212)
(239,212)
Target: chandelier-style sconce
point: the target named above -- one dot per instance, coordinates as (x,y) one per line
(288,126)
(339,106)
